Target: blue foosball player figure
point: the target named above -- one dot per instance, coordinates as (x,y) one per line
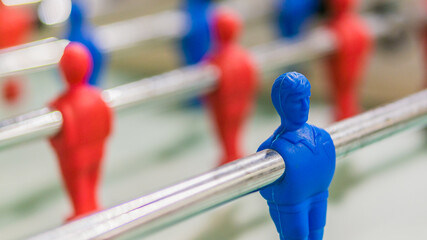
(197,40)
(80,31)
(293,15)
(298,199)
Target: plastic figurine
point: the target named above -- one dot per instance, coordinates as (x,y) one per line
(197,40)
(293,15)
(232,101)
(298,199)
(16,23)
(80,30)
(87,123)
(346,65)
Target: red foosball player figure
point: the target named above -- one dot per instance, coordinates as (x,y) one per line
(232,101)
(15,27)
(346,65)
(87,123)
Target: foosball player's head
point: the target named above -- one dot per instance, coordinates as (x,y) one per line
(291,98)
(76,64)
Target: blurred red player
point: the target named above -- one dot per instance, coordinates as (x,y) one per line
(346,65)
(16,23)
(87,124)
(232,101)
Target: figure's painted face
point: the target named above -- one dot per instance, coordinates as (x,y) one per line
(296,109)
(290,95)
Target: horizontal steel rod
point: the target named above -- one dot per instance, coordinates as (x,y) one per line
(186,82)
(192,80)
(109,38)
(196,195)
(33,125)
(223,182)
(165,25)
(125,34)
(45,122)
(374,125)
(32,56)
(113,37)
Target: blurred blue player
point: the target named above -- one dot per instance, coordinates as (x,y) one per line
(298,199)
(80,30)
(293,15)
(196,41)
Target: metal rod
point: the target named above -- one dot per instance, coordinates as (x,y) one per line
(211,187)
(30,126)
(45,122)
(110,38)
(280,53)
(380,123)
(125,34)
(113,37)
(187,82)
(167,25)
(197,79)
(31,56)
(318,43)
(196,195)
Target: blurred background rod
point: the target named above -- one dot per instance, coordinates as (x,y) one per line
(113,37)
(126,34)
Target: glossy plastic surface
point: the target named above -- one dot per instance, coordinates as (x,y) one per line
(16,23)
(80,30)
(87,123)
(231,103)
(293,15)
(298,200)
(349,61)
(197,40)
